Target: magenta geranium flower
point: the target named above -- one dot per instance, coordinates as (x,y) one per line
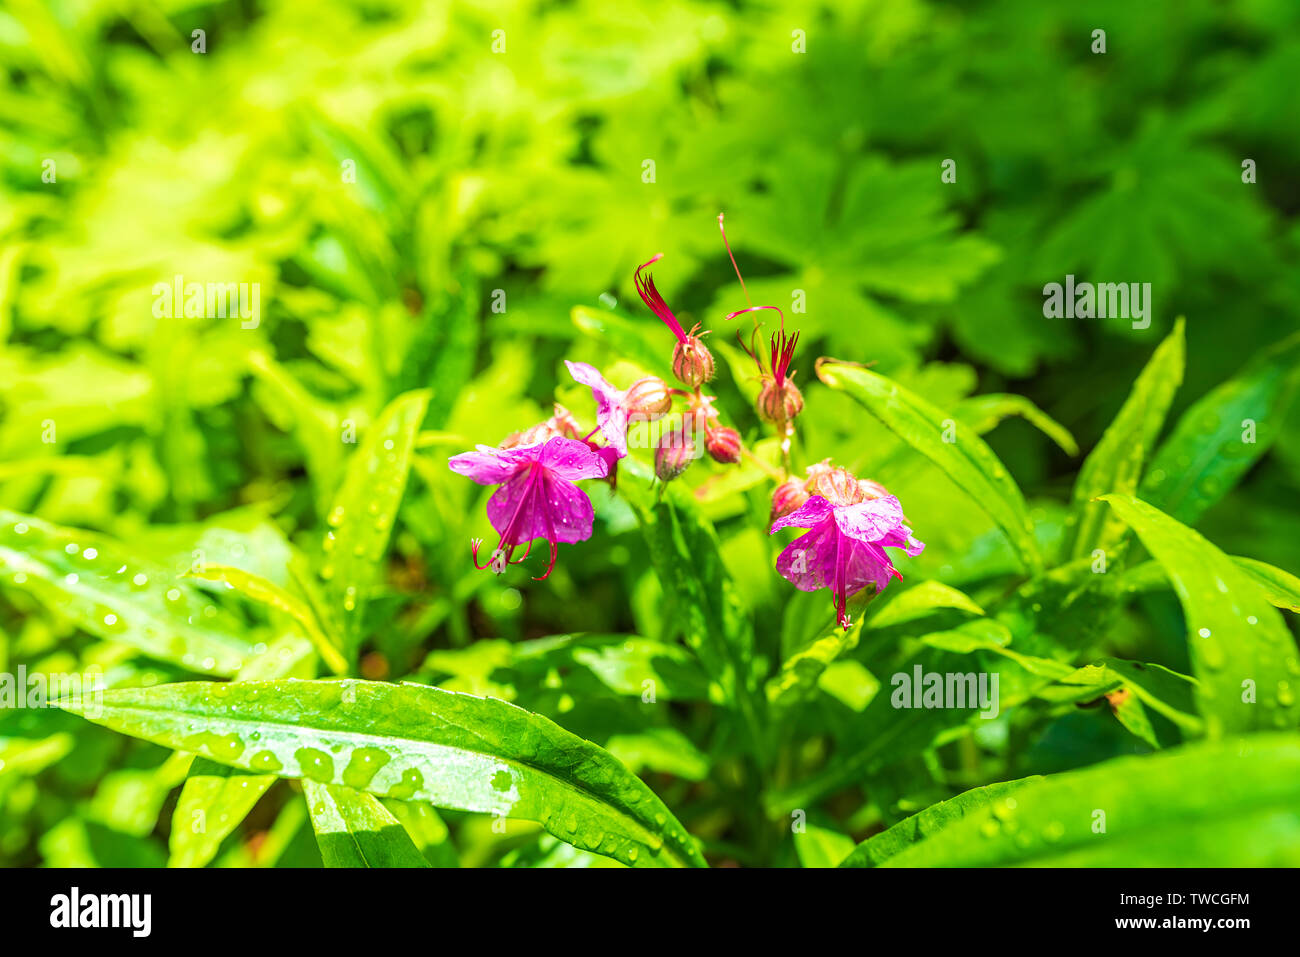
(537,497)
(844,547)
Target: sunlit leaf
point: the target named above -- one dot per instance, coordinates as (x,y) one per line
(108,591)
(354,830)
(413,743)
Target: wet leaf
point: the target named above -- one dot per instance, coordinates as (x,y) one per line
(269,593)
(879,848)
(1222,435)
(365,508)
(1242,653)
(214,801)
(98,584)
(354,830)
(1156,809)
(413,743)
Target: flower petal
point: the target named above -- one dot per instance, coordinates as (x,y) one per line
(537,504)
(810,513)
(570,459)
(488,466)
(870,521)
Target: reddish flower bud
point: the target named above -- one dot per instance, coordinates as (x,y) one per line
(648,398)
(836,485)
(723,444)
(673,454)
(788,496)
(779,403)
(692,362)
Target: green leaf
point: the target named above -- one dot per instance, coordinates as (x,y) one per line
(354,830)
(98,584)
(965,457)
(1163,690)
(267,592)
(365,508)
(413,743)
(1149,811)
(1222,435)
(213,802)
(1279,587)
(802,670)
(684,551)
(821,847)
(1238,643)
(1115,465)
(879,848)
(646,342)
(918,602)
(984,412)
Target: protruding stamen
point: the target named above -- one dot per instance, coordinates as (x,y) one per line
(555,552)
(522,558)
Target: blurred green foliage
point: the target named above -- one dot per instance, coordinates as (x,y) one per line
(439,213)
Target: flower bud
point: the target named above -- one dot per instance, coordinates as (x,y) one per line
(723,444)
(779,403)
(836,485)
(673,454)
(871,489)
(564,423)
(788,496)
(692,362)
(648,398)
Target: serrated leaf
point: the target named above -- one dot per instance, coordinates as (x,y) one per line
(1149,811)
(98,584)
(413,743)
(1222,435)
(1115,465)
(214,801)
(354,830)
(967,460)
(1239,646)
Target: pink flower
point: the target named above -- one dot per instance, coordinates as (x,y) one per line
(611,411)
(537,497)
(843,549)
